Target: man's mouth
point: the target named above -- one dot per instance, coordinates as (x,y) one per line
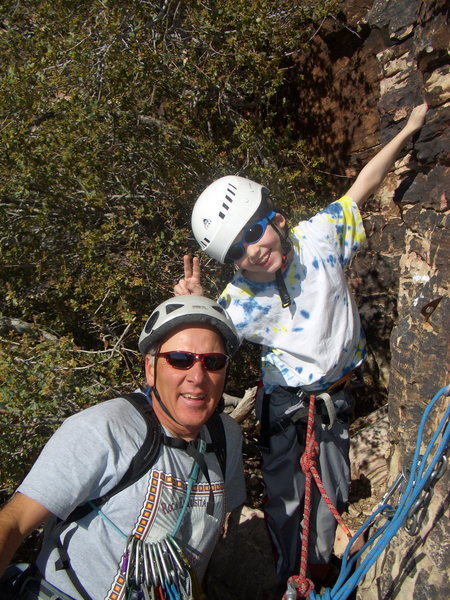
(194,396)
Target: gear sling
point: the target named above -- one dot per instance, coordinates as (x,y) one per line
(16,580)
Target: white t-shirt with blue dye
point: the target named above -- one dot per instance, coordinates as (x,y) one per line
(319,338)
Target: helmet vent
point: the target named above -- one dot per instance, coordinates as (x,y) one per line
(151,321)
(171,307)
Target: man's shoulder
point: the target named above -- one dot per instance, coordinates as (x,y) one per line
(106,413)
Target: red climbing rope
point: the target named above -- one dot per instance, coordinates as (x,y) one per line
(301,582)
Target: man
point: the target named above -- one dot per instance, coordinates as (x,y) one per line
(141,537)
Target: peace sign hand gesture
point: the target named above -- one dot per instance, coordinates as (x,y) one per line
(190,284)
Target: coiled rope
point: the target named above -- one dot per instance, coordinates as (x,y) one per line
(422,469)
(422,475)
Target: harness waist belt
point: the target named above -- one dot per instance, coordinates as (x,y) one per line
(302,413)
(334,388)
(324,410)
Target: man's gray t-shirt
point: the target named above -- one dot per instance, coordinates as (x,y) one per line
(86,457)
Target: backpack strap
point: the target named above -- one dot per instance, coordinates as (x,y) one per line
(219,442)
(148,452)
(141,462)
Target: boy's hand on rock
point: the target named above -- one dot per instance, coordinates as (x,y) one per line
(417,117)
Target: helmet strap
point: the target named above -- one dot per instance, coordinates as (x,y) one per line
(286,247)
(159,399)
(282,290)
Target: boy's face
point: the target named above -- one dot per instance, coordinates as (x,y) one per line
(263,258)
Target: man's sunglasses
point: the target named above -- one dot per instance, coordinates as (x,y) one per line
(250,236)
(178,359)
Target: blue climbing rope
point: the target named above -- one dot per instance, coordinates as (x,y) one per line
(422,469)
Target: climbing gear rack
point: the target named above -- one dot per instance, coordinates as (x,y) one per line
(158,571)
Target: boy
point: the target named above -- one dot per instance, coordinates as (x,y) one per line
(291,296)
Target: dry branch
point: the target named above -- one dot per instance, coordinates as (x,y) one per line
(242,406)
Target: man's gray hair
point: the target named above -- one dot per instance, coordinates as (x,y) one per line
(152,352)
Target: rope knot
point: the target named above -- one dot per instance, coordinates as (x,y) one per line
(308,458)
(301,584)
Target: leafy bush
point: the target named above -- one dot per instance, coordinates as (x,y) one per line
(115,115)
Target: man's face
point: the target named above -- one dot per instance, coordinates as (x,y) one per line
(191,395)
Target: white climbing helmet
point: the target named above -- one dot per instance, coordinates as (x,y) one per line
(187,310)
(221,212)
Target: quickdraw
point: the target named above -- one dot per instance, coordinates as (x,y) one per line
(158,571)
(417,512)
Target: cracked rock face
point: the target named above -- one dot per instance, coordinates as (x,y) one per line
(401,280)
(382,58)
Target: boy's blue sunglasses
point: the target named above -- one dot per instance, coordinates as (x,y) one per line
(251,235)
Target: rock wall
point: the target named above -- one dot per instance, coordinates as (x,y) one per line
(366,71)
(386,56)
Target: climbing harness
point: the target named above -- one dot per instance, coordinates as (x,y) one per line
(325,410)
(414,489)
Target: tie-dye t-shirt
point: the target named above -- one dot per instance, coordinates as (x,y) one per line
(318,338)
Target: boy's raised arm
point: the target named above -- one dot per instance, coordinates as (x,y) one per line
(379,166)
(190,283)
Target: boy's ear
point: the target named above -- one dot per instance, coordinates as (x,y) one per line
(279,220)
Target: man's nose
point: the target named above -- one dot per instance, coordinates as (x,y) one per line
(197,371)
